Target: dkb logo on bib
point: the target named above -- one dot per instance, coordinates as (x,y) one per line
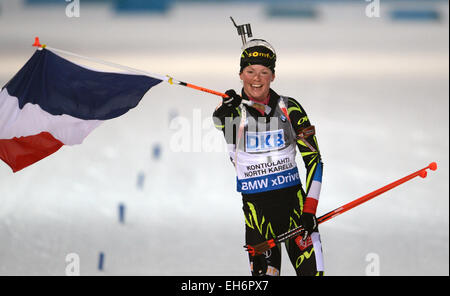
(264,141)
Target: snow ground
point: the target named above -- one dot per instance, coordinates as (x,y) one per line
(377,92)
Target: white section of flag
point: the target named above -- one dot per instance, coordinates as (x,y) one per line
(314,190)
(32,120)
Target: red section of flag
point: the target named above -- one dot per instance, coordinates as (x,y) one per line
(21,152)
(310,205)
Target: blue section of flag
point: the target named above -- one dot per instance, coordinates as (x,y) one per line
(318,173)
(59,87)
(269,182)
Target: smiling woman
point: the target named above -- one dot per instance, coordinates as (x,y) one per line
(257,69)
(256,80)
(263,153)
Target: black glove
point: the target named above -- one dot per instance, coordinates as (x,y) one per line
(309,223)
(259,266)
(233,99)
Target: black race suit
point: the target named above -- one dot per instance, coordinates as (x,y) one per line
(270,213)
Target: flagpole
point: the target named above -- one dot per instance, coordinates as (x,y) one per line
(166,78)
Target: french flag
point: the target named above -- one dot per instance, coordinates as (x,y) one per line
(53,102)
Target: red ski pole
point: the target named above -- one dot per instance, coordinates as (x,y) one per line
(264,246)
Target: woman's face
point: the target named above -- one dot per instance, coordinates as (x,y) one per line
(257,79)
